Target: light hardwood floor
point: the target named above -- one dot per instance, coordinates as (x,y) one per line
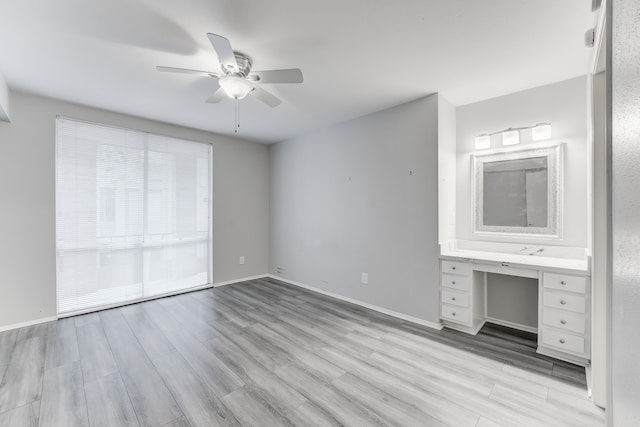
(265,353)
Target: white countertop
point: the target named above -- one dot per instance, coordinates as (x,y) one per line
(523,254)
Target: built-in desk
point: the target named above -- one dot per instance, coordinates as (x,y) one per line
(564,292)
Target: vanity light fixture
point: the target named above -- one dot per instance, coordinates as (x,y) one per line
(541,131)
(511,136)
(483,141)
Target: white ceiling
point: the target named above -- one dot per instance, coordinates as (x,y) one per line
(357,56)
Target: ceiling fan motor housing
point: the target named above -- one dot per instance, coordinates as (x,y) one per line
(244,64)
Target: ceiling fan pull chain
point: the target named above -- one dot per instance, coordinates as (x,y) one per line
(237,115)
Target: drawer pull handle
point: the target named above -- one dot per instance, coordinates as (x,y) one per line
(453,298)
(564,322)
(563,302)
(453,268)
(453,282)
(563,282)
(562,341)
(453,314)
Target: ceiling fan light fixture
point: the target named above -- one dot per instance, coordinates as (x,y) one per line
(235,87)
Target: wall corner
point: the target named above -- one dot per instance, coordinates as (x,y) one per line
(5,101)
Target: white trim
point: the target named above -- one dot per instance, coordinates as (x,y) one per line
(402,316)
(554,153)
(168,294)
(94,309)
(135,301)
(587,371)
(28,323)
(5,101)
(513,325)
(244,279)
(473,330)
(563,355)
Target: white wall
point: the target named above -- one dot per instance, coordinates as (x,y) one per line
(362,197)
(564,105)
(27,215)
(625,156)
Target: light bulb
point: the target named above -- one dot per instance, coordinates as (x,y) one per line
(510,137)
(483,141)
(235,87)
(541,131)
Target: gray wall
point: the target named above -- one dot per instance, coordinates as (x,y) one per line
(625,310)
(514,299)
(564,105)
(27,215)
(362,197)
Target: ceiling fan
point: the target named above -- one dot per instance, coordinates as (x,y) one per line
(237,80)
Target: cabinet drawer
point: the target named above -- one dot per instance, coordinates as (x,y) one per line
(564,320)
(562,301)
(456,282)
(455,314)
(562,341)
(455,267)
(564,283)
(455,298)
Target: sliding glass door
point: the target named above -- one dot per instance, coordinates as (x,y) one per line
(133,215)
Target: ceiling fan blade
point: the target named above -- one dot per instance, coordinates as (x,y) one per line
(291,75)
(217,96)
(187,71)
(223,49)
(266,97)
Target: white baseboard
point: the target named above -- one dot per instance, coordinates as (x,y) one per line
(402,316)
(587,371)
(28,323)
(471,330)
(244,279)
(513,325)
(77,313)
(159,296)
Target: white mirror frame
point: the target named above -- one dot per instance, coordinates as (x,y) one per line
(555,167)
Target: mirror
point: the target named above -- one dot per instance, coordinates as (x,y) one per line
(518,192)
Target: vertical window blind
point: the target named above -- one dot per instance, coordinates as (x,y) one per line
(133,215)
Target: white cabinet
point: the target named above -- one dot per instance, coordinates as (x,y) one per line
(564,304)
(565,283)
(564,312)
(563,320)
(456,267)
(461,283)
(461,300)
(456,314)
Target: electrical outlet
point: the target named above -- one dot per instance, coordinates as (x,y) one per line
(241,260)
(365,278)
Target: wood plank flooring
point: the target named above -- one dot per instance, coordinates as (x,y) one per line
(265,353)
